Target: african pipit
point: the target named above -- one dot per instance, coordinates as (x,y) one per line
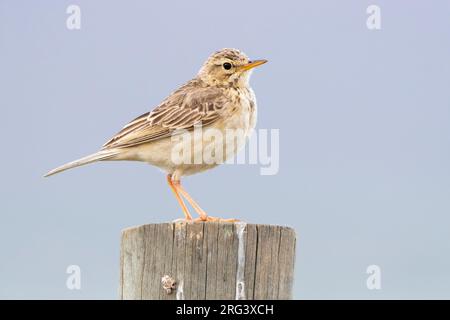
(218,98)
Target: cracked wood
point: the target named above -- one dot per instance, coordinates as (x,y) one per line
(204,258)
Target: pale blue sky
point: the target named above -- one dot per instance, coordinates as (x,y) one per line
(364,137)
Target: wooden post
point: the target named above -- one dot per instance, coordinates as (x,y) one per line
(200,261)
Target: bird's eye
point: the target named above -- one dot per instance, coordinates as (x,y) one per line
(227,66)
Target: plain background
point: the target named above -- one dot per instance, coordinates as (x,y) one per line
(364,137)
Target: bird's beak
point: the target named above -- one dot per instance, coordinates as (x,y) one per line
(252,64)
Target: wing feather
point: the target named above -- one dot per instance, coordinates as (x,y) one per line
(190,105)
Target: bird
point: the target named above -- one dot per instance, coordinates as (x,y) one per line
(218,98)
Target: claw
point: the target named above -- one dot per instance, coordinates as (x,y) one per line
(214,219)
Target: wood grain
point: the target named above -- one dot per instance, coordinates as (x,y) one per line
(204,261)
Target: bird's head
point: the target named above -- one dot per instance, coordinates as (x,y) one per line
(228,67)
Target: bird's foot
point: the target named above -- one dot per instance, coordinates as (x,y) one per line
(205,219)
(214,219)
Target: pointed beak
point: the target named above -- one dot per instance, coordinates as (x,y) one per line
(252,64)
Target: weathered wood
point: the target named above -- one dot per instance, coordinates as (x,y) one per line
(207,261)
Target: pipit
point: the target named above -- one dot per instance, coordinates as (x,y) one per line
(218,98)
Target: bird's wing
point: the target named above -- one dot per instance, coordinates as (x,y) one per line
(188,106)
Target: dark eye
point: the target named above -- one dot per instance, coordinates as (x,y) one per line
(227,66)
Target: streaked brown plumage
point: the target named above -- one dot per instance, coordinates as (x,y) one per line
(219,97)
(194,102)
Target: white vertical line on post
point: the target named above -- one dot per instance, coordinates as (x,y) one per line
(240,283)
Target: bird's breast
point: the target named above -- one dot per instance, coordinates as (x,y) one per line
(242,110)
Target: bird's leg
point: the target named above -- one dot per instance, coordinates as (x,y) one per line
(203,215)
(185,194)
(177,195)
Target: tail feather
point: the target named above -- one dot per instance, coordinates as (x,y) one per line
(98,156)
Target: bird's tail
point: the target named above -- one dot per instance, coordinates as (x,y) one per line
(98,156)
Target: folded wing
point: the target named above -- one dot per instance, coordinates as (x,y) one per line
(187,107)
